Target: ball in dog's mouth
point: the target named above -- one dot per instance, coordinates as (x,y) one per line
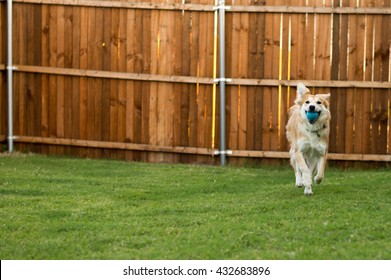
(312,116)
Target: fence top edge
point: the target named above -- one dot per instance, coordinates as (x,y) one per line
(211,8)
(312,10)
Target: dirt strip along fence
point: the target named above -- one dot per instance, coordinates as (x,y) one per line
(135,80)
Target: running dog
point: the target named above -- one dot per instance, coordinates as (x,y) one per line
(308,132)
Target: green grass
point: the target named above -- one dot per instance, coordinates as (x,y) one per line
(59,208)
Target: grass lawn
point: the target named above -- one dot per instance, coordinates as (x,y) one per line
(61,208)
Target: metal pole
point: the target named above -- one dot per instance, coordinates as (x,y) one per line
(9,77)
(223,149)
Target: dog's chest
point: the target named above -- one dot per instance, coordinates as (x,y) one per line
(312,145)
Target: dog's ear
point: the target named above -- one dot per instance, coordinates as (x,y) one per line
(325,97)
(302,91)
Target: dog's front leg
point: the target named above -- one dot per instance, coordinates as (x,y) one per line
(298,175)
(320,169)
(305,171)
(296,168)
(321,162)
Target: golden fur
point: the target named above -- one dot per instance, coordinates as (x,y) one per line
(309,142)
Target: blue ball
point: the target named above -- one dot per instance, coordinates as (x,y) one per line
(312,116)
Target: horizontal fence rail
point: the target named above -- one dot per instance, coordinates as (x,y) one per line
(135,80)
(115,75)
(185,150)
(194,80)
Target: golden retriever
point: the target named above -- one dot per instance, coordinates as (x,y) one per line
(308,131)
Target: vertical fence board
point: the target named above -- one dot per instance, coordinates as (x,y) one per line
(309,47)
(91,83)
(185,92)
(269,62)
(30,93)
(182,51)
(106,66)
(334,74)
(260,73)
(203,133)
(349,119)
(342,113)
(153,109)
(68,59)
(98,83)
(374,73)
(201,91)
(367,124)
(255,44)
(194,71)
(60,79)
(75,19)
(21,109)
(283,91)
(143,95)
(114,48)
(37,79)
(386,112)
(45,25)
(384,48)
(338,72)
(208,72)
(361,115)
(130,105)
(121,39)
(234,90)
(84,19)
(243,120)
(275,92)
(163,90)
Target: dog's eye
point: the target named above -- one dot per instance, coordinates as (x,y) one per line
(318,102)
(307,102)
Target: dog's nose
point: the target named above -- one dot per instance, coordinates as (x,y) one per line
(312,108)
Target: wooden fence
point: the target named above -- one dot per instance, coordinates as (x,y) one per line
(135,80)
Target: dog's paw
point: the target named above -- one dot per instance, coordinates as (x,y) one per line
(318,179)
(308,190)
(299,183)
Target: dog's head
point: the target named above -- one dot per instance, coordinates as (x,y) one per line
(312,107)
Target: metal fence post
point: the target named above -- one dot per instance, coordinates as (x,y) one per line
(222,81)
